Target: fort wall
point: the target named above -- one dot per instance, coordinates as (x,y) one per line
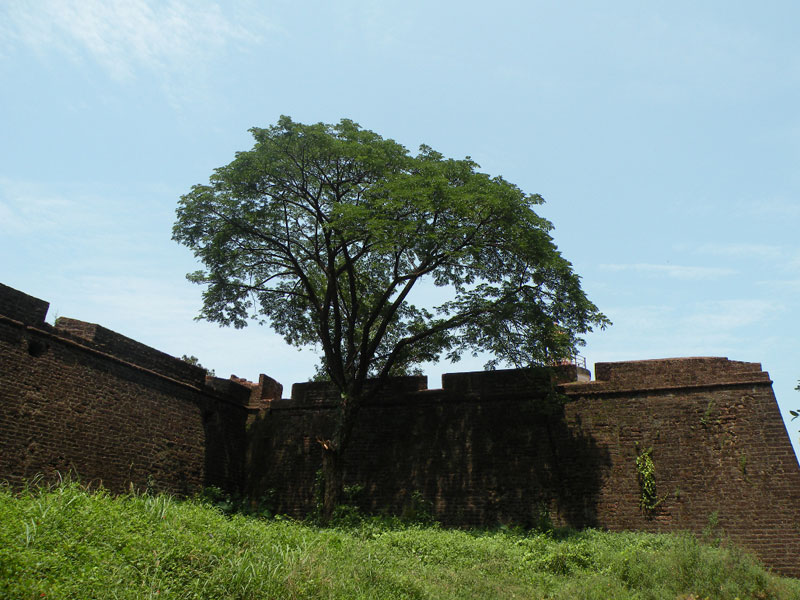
(719,446)
(78,397)
(488,448)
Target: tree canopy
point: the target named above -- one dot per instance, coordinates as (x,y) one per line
(326,233)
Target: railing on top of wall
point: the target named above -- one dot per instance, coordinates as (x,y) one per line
(575,359)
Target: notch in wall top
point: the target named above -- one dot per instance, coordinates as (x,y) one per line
(247,392)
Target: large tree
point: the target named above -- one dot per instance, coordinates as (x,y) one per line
(326,233)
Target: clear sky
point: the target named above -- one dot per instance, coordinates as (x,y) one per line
(665,138)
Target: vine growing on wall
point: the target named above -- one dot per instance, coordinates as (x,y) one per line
(646,470)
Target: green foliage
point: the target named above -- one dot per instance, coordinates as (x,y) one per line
(354,494)
(713,534)
(323,231)
(706,418)
(542,521)
(349,514)
(315,516)
(418,510)
(646,470)
(743,464)
(230,504)
(63,542)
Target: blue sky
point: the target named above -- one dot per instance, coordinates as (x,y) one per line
(665,138)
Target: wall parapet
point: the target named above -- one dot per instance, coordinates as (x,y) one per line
(668,374)
(132,351)
(324,394)
(511,381)
(461,387)
(21,307)
(27,314)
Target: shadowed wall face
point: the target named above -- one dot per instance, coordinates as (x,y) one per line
(493,448)
(480,457)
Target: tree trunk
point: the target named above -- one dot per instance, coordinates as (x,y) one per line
(332,483)
(333,450)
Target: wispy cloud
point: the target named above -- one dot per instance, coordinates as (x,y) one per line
(775,255)
(764,251)
(127,38)
(29,209)
(78,227)
(699,320)
(674,271)
(782,285)
(771,208)
(728,315)
(711,328)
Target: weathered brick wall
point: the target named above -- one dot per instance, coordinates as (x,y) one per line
(719,447)
(487,450)
(115,412)
(115,344)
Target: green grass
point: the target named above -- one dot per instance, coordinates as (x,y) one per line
(62,542)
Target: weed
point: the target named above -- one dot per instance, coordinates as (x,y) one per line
(230,504)
(705,420)
(418,510)
(646,470)
(713,534)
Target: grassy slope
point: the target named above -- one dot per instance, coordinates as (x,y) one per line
(65,543)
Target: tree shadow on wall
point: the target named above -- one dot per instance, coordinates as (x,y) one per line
(225,448)
(577,470)
(533,466)
(481,464)
(284,458)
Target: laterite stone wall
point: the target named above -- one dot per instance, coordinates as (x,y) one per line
(489,449)
(719,446)
(480,456)
(110,409)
